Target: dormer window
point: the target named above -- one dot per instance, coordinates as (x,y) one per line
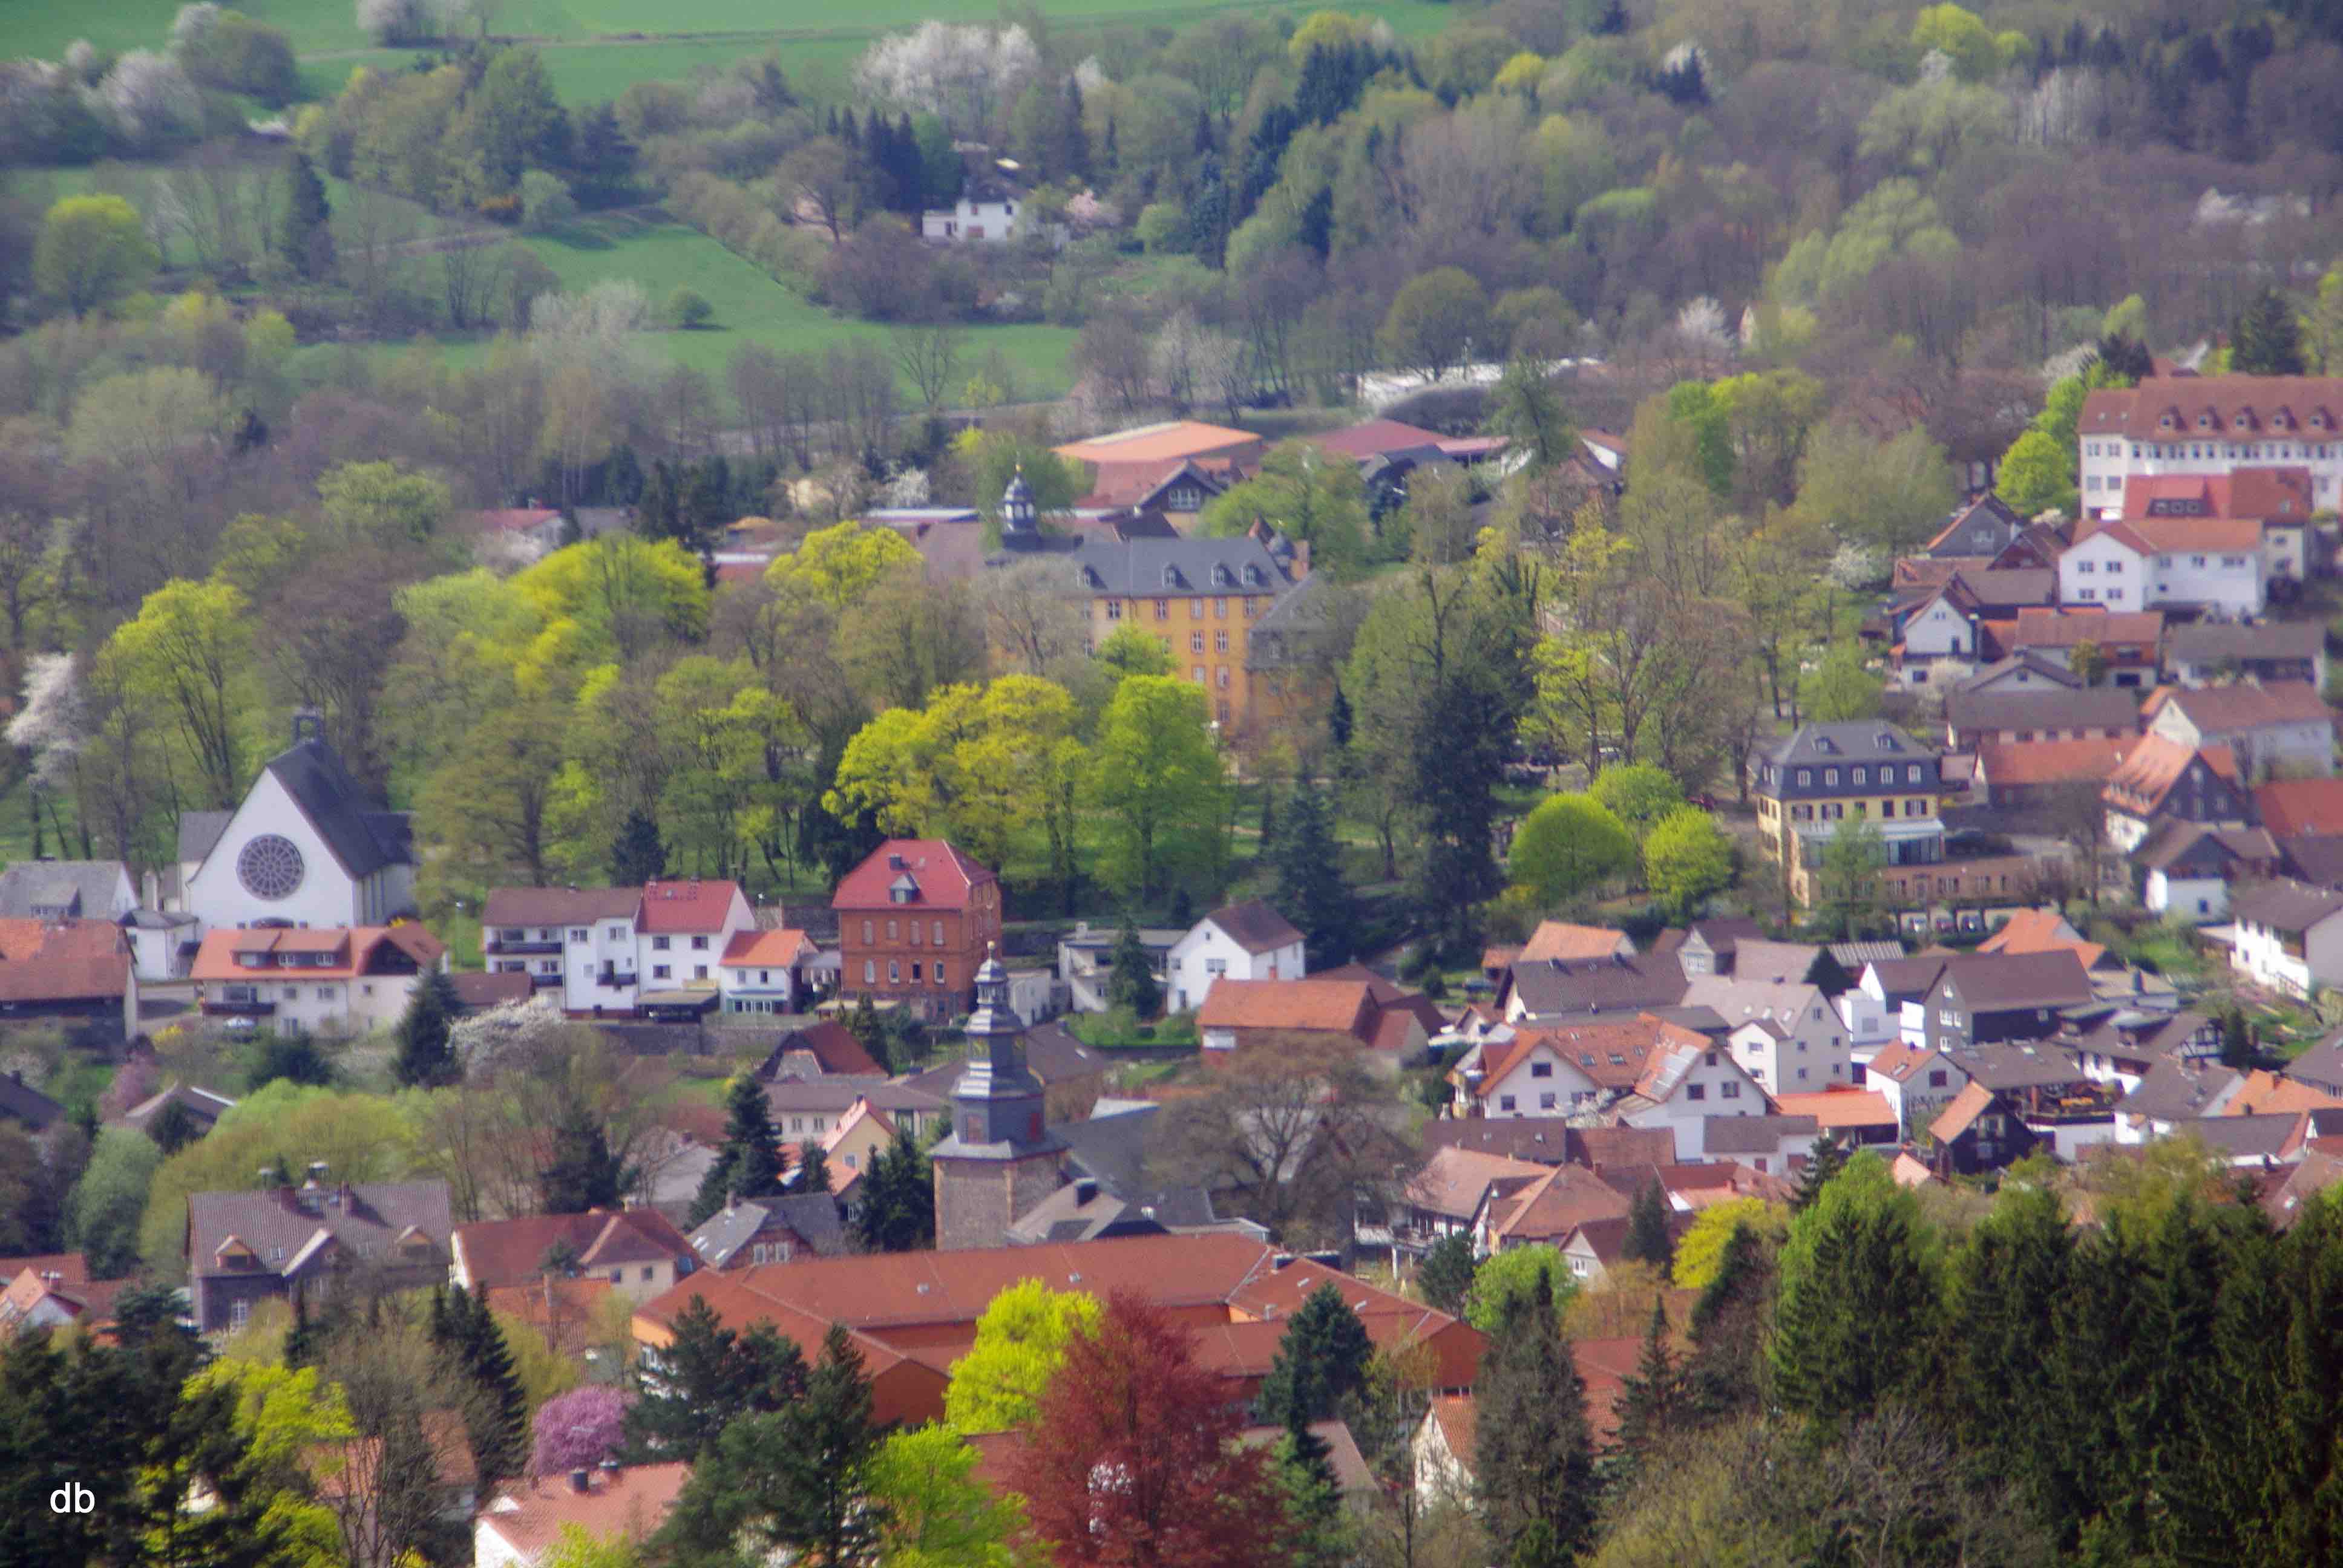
(1252,577)
(2204,421)
(1170,576)
(1220,574)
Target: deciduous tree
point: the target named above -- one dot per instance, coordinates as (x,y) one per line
(1021,1342)
(92,250)
(1159,776)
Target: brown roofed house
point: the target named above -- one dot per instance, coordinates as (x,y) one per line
(522,1525)
(637,1252)
(265,1243)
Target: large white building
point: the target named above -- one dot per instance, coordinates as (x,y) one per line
(1245,941)
(326,979)
(610,949)
(2211,425)
(306,847)
(2152,563)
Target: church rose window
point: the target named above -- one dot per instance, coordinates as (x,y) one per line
(269,867)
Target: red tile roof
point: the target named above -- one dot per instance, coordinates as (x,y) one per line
(1559,939)
(1372,437)
(625,1505)
(2039,627)
(1341,1006)
(1956,1118)
(776,949)
(1836,1108)
(63,960)
(2259,494)
(2156,764)
(2019,764)
(692,907)
(944,876)
(2291,807)
(356,948)
(512,1251)
(1161,443)
(2307,405)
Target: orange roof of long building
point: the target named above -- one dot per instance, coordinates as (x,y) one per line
(1161,443)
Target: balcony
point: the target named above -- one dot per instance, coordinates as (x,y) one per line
(615,979)
(240,1003)
(515,947)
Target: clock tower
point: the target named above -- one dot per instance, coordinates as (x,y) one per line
(1001,1158)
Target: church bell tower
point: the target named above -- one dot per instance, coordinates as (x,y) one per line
(1001,1158)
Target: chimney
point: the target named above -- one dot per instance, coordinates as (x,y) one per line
(1085,1190)
(581,1480)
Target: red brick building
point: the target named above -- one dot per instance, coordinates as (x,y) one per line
(914,920)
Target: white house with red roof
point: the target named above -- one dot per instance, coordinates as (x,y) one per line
(328,979)
(2211,425)
(521,1527)
(761,970)
(2279,499)
(610,949)
(915,919)
(2149,563)
(1249,940)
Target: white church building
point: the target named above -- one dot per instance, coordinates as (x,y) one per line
(306,848)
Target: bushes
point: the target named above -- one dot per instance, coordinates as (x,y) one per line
(688,310)
(229,51)
(545,201)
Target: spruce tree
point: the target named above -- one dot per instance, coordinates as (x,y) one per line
(2006,1287)
(1652,1402)
(863,1023)
(426,1060)
(497,1419)
(706,1376)
(1310,891)
(1446,1273)
(304,235)
(1647,1229)
(749,1163)
(1825,1160)
(1856,1260)
(1322,1360)
(584,1173)
(637,856)
(2265,339)
(1727,1372)
(1132,982)
(1313,1499)
(1533,1453)
(896,1212)
(813,1168)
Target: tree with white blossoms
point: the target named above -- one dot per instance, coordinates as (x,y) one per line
(48,723)
(966,75)
(152,101)
(189,27)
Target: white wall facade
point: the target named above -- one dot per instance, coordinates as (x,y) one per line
(1208,953)
(326,895)
(2107,461)
(1543,1084)
(2260,953)
(2190,898)
(1714,1085)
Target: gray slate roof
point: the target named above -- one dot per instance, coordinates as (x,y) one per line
(2050,708)
(2242,1137)
(1136,568)
(1566,989)
(2316,858)
(2285,906)
(2040,666)
(199,831)
(1994,982)
(2173,1092)
(1753,1135)
(2321,1066)
(2007,1067)
(20,1101)
(812,1215)
(1053,1055)
(835,1092)
(363,837)
(1856,741)
(375,1215)
(82,888)
(2218,640)
(1255,926)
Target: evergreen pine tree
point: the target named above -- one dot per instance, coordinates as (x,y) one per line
(813,1168)
(749,1163)
(584,1173)
(1726,1373)
(1313,1499)
(1647,1229)
(1533,1453)
(304,235)
(498,1419)
(1132,982)
(1823,1161)
(1310,891)
(637,856)
(2265,339)
(426,1060)
(1446,1273)
(1857,1259)
(1322,1360)
(2007,1284)
(1652,1402)
(2236,1039)
(683,1400)
(897,1210)
(863,1023)
(1535,1547)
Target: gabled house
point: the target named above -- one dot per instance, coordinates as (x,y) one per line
(2210,425)
(1342,1012)
(2211,564)
(2021,674)
(522,1525)
(2293,808)
(1534,1073)
(2036,775)
(2040,712)
(1685,1082)
(1443,1198)
(75,973)
(1849,1116)
(2276,500)
(750,1230)
(243,1247)
(1543,1210)
(1597,1246)
(1980,1131)
(1248,941)
(66,891)
(2284,728)
(1982,528)
(2214,652)
(915,919)
(1917,1081)
(1985,998)
(1784,1032)
(2129,642)
(2320,1067)
(331,979)
(2171,1095)
(202,1107)
(2185,870)
(1810,782)
(2163,779)
(638,1251)
(2288,936)
(764,971)
(2125,1047)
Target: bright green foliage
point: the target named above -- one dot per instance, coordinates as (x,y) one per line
(1321,1362)
(1638,793)
(186,659)
(1695,406)
(1527,410)
(1891,495)
(995,456)
(1687,858)
(749,1163)
(380,504)
(1840,688)
(286,1417)
(575,1548)
(1512,1275)
(1859,1258)
(1962,36)
(425,1059)
(2036,476)
(110,1199)
(1158,776)
(1700,1251)
(977,765)
(1534,1454)
(625,594)
(1129,651)
(1445,1276)
(1021,1341)
(91,250)
(1570,845)
(937,1513)
(838,567)
(1848,878)
(1307,493)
